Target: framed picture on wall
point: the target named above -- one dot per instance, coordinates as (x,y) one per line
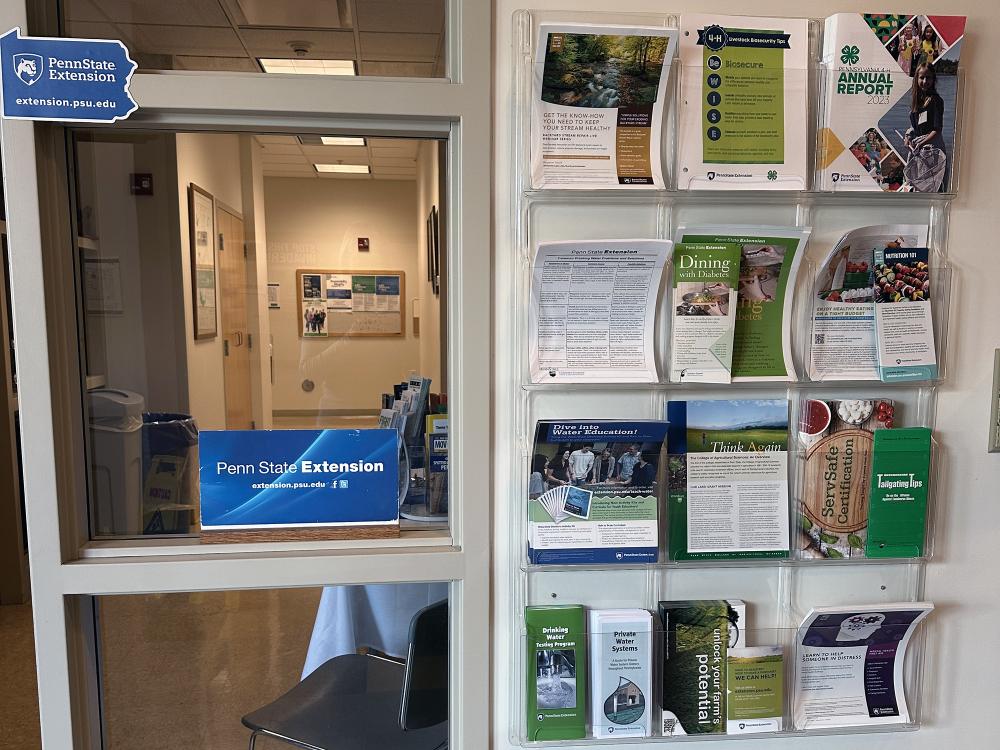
(201,222)
(429,249)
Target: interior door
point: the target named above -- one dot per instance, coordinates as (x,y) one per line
(236,344)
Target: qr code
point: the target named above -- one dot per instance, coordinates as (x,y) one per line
(669,725)
(820,338)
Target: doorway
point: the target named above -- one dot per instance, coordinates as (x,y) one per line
(236,342)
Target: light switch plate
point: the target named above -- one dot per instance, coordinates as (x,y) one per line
(995,405)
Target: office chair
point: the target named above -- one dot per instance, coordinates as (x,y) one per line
(369,702)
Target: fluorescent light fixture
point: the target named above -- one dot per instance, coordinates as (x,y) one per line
(344,168)
(342,140)
(303,66)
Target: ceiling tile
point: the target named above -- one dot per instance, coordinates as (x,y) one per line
(393,177)
(274,159)
(289,140)
(343,176)
(193,62)
(425,16)
(282,148)
(298,13)
(399,47)
(185,40)
(337,45)
(176,12)
(353,154)
(392,161)
(398,69)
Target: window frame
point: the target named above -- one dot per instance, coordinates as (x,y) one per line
(66,570)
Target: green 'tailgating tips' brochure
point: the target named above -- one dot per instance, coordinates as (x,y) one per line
(557,672)
(705,281)
(897,512)
(744,103)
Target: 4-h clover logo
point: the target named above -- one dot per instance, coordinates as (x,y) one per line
(850,54)
(772,175)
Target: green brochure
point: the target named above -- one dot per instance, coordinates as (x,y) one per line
(897,512)
(770,257)
(557,673)
(755,685)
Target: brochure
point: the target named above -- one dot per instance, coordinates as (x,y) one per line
(557,672)
(843,341)
(897,514)
(890,102)
(838,437)
(593,310)
(904,332)
(727,479)
(598,99)
(744,93)
(621,672)
(755,690)
(706,277)
(695,646)
(762,346)
(849,665)
(592,492)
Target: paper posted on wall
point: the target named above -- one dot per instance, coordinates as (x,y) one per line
(849,665)
(593,311)
(598,99)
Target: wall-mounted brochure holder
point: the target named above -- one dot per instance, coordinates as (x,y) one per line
(824,566)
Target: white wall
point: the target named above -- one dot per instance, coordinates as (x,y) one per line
(960,683)
(315,224)
(212,162)
(429,305)
(140,349)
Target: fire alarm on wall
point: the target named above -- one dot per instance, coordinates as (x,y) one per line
(363,245)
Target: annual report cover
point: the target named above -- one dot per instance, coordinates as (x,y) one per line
(755,689)
(897,514)
(597,105)
(769,263)
(744,93)
(592,492)
(727,479)
(890,101)
(849,665)
(837,437)
(843,344)
(557,672)
(705,281)
(903,325)
(695,647)
(621,672)
(593,311)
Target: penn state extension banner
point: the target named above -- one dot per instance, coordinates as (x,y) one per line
(66,80)
(263,479)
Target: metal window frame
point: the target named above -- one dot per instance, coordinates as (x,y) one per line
(63,580)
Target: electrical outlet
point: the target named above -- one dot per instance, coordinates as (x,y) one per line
(995,404)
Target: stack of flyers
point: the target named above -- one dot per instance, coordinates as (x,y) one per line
(565,501)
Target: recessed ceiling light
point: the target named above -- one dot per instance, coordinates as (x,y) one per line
(342,140)
(303,66)
(344,168)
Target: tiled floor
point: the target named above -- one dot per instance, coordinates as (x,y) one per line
(18,690)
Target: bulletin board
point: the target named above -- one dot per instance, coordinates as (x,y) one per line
(350,303)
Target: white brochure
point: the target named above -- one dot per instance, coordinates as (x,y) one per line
(843,335)
(593,310)
(849,665)
(597,105)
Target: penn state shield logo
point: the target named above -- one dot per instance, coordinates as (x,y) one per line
(711,175)
(28,67)
(836,176)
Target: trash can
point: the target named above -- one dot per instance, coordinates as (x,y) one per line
(170,472)
(116,461)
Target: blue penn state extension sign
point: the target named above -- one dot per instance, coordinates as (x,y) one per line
(65,80)
(253,479)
